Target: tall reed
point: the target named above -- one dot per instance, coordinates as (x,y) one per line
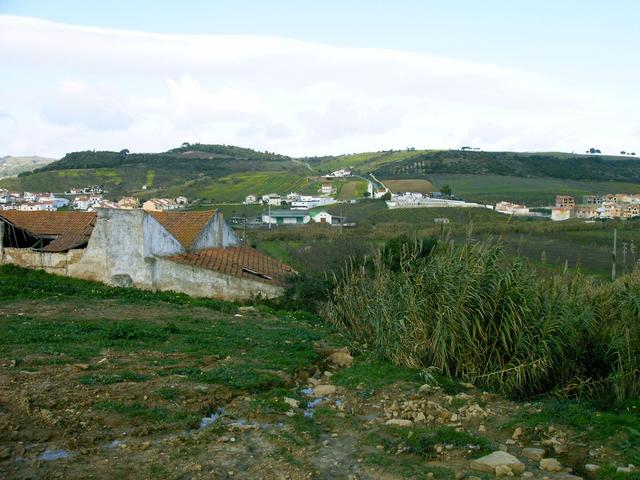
(480,315)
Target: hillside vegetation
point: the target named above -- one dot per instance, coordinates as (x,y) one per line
(223,173)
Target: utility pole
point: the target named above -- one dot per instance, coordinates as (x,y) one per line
(613,254)
(269,215)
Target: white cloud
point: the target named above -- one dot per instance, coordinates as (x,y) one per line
(88,87)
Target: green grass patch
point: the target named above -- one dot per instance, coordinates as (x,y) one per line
(374,375)
(145,414)
(113,378)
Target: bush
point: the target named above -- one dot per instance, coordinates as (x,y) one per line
(481,316)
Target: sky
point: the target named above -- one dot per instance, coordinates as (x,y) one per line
(316,78)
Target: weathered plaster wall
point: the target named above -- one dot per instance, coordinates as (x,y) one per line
(216,234)
(57,263)
(124,250)
(200,282)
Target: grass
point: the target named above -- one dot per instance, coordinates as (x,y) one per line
(158,415)
(531,191)
(126,376)
(351,189)
(374,375)
(21,283)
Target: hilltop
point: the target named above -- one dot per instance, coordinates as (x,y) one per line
(12,166)
(224,173)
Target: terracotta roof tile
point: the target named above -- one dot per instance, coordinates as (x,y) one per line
(184,226)
(65,243)
(52,223)
(242,262)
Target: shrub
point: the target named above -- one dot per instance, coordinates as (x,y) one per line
(479,315)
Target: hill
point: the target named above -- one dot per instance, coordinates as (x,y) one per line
(12,166)
(212,172)
(224,173)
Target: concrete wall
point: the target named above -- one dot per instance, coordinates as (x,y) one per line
(217,233)
(126,249)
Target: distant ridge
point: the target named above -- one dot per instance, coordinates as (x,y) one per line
(12,166)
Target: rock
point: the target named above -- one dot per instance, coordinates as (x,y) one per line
(488,463)
(560,449)
(399,422)
(527,475)
(503,471)
(420,417)
(292,402)
(426,388)
(550,465)
(324,390)
(628,469)
(535,454)
(517,433)
(591,469)
(482,429)
(340,359)
(81,366)
(248,309)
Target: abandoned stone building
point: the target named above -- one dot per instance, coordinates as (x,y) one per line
(190,252)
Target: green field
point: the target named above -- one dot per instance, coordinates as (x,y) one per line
(366,161)
(351,189)
(531,191)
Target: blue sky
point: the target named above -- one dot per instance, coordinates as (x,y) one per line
(585,51)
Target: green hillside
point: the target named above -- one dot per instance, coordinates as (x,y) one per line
(210,172)
(223,173)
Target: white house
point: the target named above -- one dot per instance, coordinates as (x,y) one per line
(323,217)
(272,199)
(81,203)
(250,200)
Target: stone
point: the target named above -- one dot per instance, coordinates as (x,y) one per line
(550,465)
(292,402)
(420,417)
(488,463)
(399,422)
(535,454)
(591,469)
(628,469)
(482,429)
(340,359)
(503,471)
(517,433)
(324,390)
(560,449)
(527,475)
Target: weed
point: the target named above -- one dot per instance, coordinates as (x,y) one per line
(113,378)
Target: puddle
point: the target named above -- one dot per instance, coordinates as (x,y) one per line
(49,455)
(211,419)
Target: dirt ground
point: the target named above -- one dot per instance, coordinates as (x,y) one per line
(140,413)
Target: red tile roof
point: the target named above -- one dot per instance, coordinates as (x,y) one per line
(66,242)
(52,223)
(242,262)
(184,226)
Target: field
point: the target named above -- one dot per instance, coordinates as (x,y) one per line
(531,191)
(105,382)
(351,189)
(415,185)
(367,161)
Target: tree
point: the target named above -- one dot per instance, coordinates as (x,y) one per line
(446,190)
(124,151)
(386,196)
(622,152)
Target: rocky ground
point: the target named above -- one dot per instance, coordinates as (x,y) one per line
(256,395)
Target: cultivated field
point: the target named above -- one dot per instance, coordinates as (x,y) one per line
(415,185)
(351,189)
(532,191)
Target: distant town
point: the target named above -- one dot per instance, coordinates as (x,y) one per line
(298,209)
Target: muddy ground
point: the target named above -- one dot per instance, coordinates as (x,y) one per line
(137,406)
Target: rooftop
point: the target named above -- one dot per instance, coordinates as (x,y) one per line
(184,226)
(52,223)
(241,262)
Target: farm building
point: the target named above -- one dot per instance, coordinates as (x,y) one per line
(190,252)
(286,217)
